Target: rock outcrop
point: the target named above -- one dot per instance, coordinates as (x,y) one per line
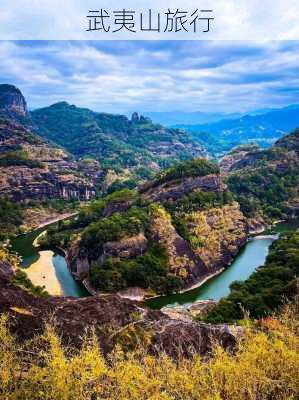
(115,321)
(172,191)
(219,233)
(182,261)
(12,101)
(32,169)
(216,235)
(236,156)
(78,261)
(131,247)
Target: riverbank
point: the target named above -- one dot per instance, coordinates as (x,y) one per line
(252,255)
(139,294)
(52,220)
(213,286)
(203,281)
(38,217)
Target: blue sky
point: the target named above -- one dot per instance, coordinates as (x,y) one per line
(123,76)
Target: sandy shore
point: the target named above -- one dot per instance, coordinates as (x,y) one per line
(42,273)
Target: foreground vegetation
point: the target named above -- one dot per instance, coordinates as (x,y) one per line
(265,365)
(265,289)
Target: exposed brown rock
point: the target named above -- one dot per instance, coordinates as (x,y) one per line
(12,101)
(175,190)
(77,261)
(126,248)
(52,175)
(114,207)
(113,319)
(182,260)
(219,233)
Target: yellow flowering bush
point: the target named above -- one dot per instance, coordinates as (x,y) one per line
(265,365)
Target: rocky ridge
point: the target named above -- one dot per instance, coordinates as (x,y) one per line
(12,102)
(136,145)
(32,169)
(212,235)
(115,321)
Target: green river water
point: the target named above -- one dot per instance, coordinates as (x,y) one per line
(23,246)
(252,255)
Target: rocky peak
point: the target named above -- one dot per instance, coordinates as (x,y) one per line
(12,101)
(135,118)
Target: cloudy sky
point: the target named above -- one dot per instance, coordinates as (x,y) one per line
(122,76)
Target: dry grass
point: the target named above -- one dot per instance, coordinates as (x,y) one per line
(265,366)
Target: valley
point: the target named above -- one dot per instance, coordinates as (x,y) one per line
(165,234)
(137,233)
(250,257)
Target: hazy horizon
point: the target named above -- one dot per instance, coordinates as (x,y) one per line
(126,76)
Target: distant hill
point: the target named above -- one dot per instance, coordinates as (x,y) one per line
(266,182)
(263,129)
(171,118)
(117,142)
(128,150)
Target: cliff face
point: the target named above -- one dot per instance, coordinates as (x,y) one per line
(12,101)
(173,190)
(238,154)
(190,223)
(215,237)
(182,260)
(219,233)
(32,169)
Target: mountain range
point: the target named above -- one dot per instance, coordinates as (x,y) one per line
(263,128)
(111,149)
(114,140)
(172,118)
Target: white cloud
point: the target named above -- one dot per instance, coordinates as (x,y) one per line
(148,76)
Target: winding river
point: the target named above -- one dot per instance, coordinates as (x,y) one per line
(48,268)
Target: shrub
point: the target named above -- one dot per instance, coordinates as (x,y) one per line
(264,366)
